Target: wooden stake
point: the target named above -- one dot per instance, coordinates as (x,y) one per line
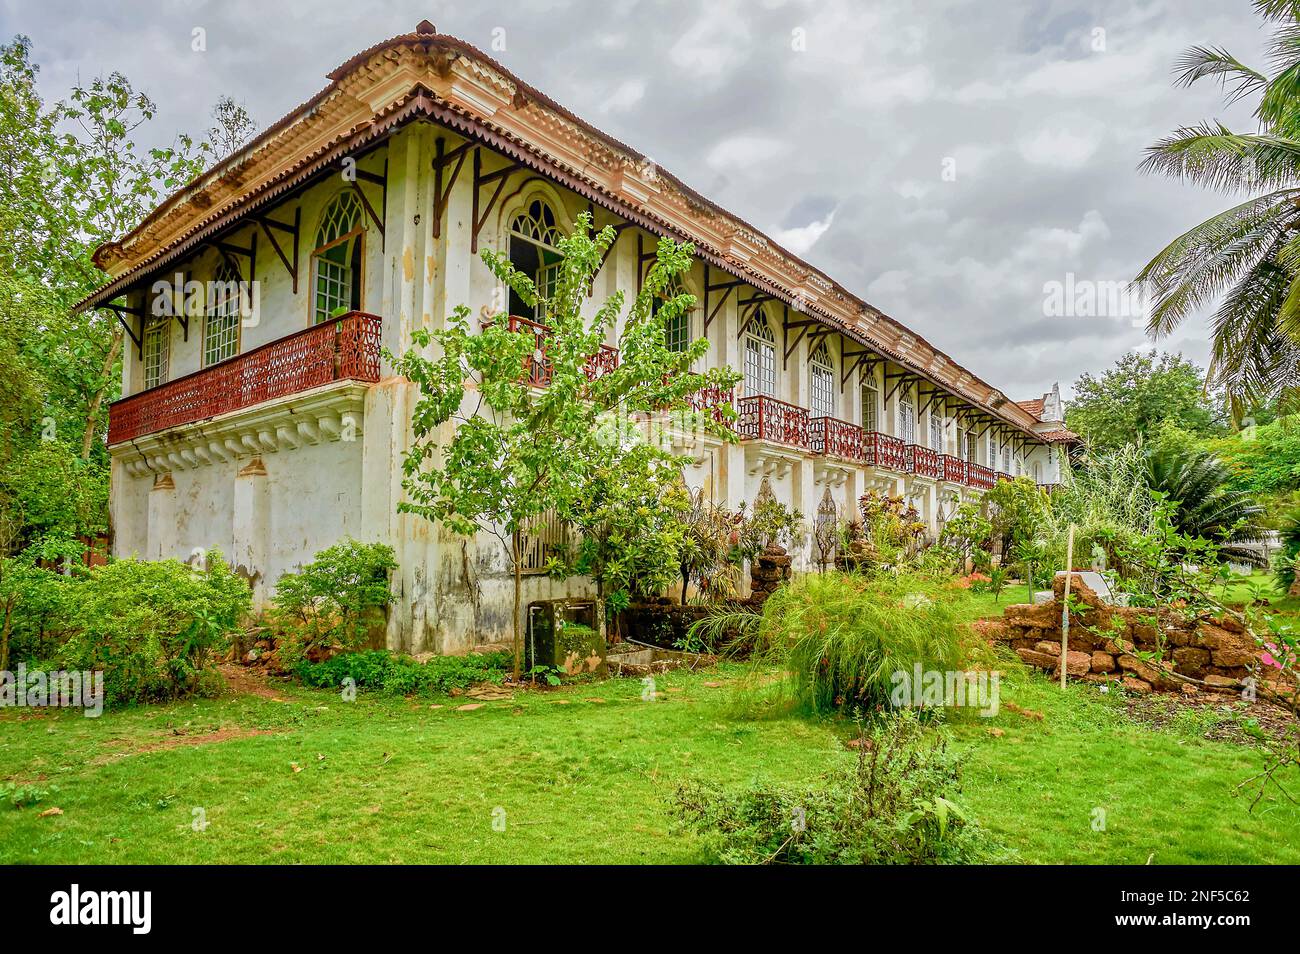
(1065,601)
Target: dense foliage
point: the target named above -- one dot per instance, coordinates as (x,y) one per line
(1129,403)
(395,675)
(153,627)
(333,601)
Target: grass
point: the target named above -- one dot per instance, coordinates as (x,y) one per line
(581,775)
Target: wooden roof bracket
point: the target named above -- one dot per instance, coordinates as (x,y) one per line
(441,194)
(500,177)
(267,224)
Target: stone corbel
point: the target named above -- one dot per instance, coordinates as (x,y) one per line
(329,427)
(287,436)
(266,439)
(308,432)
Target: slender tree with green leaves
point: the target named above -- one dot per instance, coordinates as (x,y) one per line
(1246,258)
(492,452)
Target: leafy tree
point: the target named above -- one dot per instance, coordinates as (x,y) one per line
(630,538)
(1245,257)
(1130,402)
(493,453)
(72,177)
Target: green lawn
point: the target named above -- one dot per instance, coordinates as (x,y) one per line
(579,780)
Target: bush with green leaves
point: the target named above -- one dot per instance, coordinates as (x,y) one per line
(841,636)
(154,627)
(333,601)
(35,608)
(382,671)
(895,805)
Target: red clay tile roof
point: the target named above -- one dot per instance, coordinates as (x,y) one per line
(1033,407)
(1061,436)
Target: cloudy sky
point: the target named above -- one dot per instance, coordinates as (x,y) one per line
(943,159)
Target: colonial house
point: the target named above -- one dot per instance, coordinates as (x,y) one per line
(260,417)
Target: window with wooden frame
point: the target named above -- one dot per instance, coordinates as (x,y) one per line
(677,328)
(906,419)
(760,356)
(222,315)
(534,243)
(971,443)
(1006,460)
(155,350)
(870,408)
(337,261)
(936,432)
(822,382)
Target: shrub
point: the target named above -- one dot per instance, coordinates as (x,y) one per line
(34,610)
(152,627)
(842,637)
(402,676)
(332,601)
(893,806)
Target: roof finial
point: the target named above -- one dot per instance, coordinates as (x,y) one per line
(424,26)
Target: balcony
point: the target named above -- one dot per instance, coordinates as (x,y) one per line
(343,348)
(710,400)
(764,418)
(954,469)
(923,462)
(881,450)
(537,370)
(836,438)
(980,477)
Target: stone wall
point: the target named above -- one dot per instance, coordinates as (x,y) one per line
(1196,654)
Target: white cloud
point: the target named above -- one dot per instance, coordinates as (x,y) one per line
(1064,144)
(626,95)
(745,152)
(801,238)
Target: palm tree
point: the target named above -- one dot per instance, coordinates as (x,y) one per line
(1199,484)
(1249,255)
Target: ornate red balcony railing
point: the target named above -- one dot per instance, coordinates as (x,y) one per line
(829,435)
(881,450)
(954,469)
(767,419)
(980,477)
(537,369)
(923,462)
(343,348)
(711,399)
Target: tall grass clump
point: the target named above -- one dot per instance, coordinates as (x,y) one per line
(841,637)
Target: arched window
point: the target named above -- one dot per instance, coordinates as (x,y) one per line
(823,382)
(221,316)
(971,442)
(936,432)
(760,356)
(534,238)
(337,259)
(677,328)
(906,419)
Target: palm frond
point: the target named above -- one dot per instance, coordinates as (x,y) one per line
(1209,258)
(1214,156)
(1234,77)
